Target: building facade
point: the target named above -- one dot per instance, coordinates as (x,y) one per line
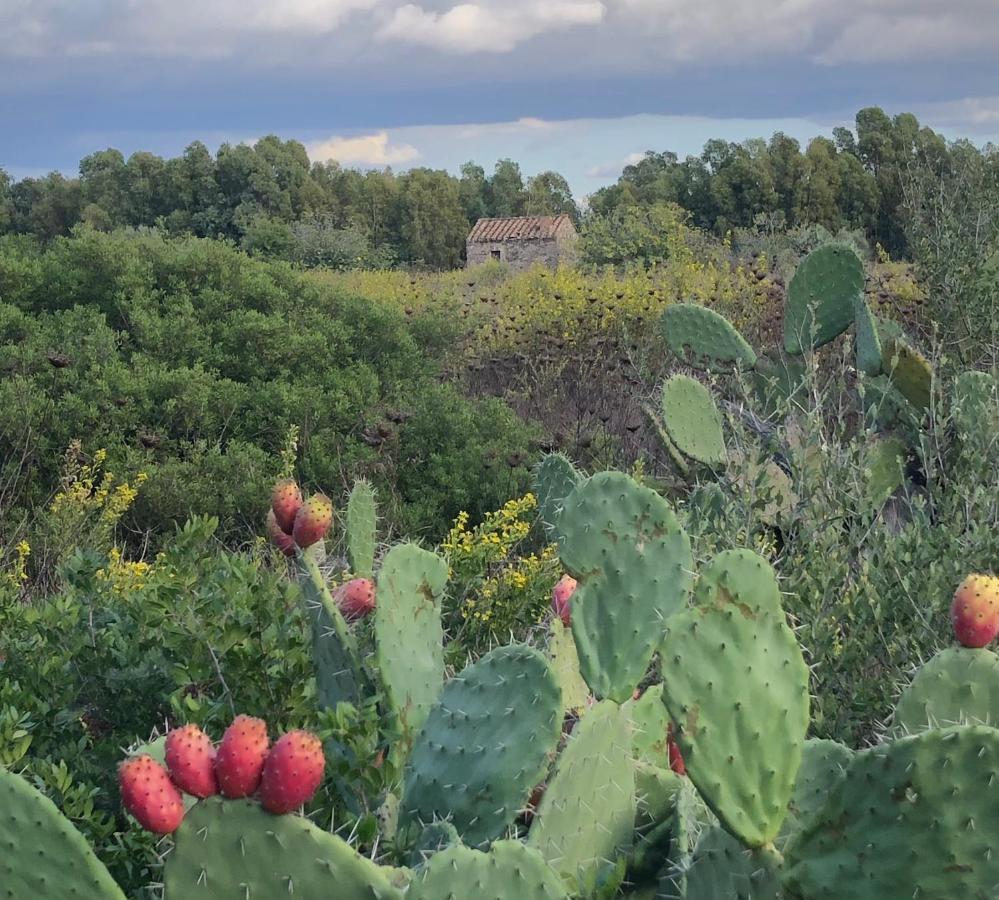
(523,241)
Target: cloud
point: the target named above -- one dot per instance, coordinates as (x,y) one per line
(488,27)
(366,150)
(612,170)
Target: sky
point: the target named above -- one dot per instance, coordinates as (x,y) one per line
(580,86)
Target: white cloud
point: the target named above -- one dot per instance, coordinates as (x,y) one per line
(367,150)
(613,169)
(488,27)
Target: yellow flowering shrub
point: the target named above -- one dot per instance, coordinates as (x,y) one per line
(14,574)
(499,585)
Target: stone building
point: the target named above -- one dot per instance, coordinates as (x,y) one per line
(522,241)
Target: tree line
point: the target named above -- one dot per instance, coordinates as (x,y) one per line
(272,201)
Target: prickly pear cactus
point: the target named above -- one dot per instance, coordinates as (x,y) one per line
(692,420)
(705,339)
(484,745)
(722,869)
(436,836)
(233,850)
(823,764)
(959,686)
(821,297)
(649,723)
(740,577)
(509,870)
(43,854)
(909,371)
(408,633)
(564,661)
(913,818)
(868,341)
(554,479)
(624,545)
(587,814)
(676,457)
(736,686)
(361,528)
(884,470)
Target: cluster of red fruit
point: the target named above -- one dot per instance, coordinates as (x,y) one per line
(285,775)
(974,611)
(294,522)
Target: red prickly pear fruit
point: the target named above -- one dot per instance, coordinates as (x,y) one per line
(284,542)
(190,757)
(356,598)
(313,520)
(286,501)
(560,597)
(292,772)
(676,762)
(974,611)
(149,795)
(241,755)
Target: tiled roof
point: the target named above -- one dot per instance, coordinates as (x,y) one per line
(516,228)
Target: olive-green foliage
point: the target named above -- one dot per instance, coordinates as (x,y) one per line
(212,356)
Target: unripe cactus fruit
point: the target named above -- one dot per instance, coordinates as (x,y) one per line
(356,598)
(292,772)
(241,755)
(560,597)
(286,501)
(975,610)
(284,542)
(313,520)
(190,757)
(149,795)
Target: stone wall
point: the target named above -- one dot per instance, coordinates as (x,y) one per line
(523,253)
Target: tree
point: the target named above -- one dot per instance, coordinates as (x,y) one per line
(474,191)
(104,184)
(506,190)
(47,207)
(549,194)
(6,203)
(432,223)
(818,199)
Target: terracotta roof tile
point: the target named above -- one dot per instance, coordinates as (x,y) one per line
(516,228)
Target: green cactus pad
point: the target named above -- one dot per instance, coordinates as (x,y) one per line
(777,380)
(692,420)
(624,545)
(408,633)
(705,339)
(485,745)
(234,850)
(868,340)
(823,764)
(564,662)
(959,686)
(676,457)
(656,790)
(649,722)
(739,577)
(736,687)
(909,372)
(508,870)
(884,470)
(42,854)
(913,818)
(820,297)
(361,528)
(587,814)
(340,677)
(435,837)
(690,820)
(722,869)
(554,479)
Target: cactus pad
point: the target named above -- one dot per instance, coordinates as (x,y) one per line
(868,341)
(484,745)
(823,764)
(884,470)
(649,722)
(909,372)
(739,577)
(435,837)
(624,545)
(361,528)
(721,868)
(409,634)
(564,661)
(820,297)
(233,850)
(508,870)
(692,420)
(914,818)
(736,686)
(705,339)
(43,855)
(959,686)
(587,814)
(554,479)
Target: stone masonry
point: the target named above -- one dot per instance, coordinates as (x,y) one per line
(523,241)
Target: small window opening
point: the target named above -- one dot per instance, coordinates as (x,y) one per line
(495,254)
